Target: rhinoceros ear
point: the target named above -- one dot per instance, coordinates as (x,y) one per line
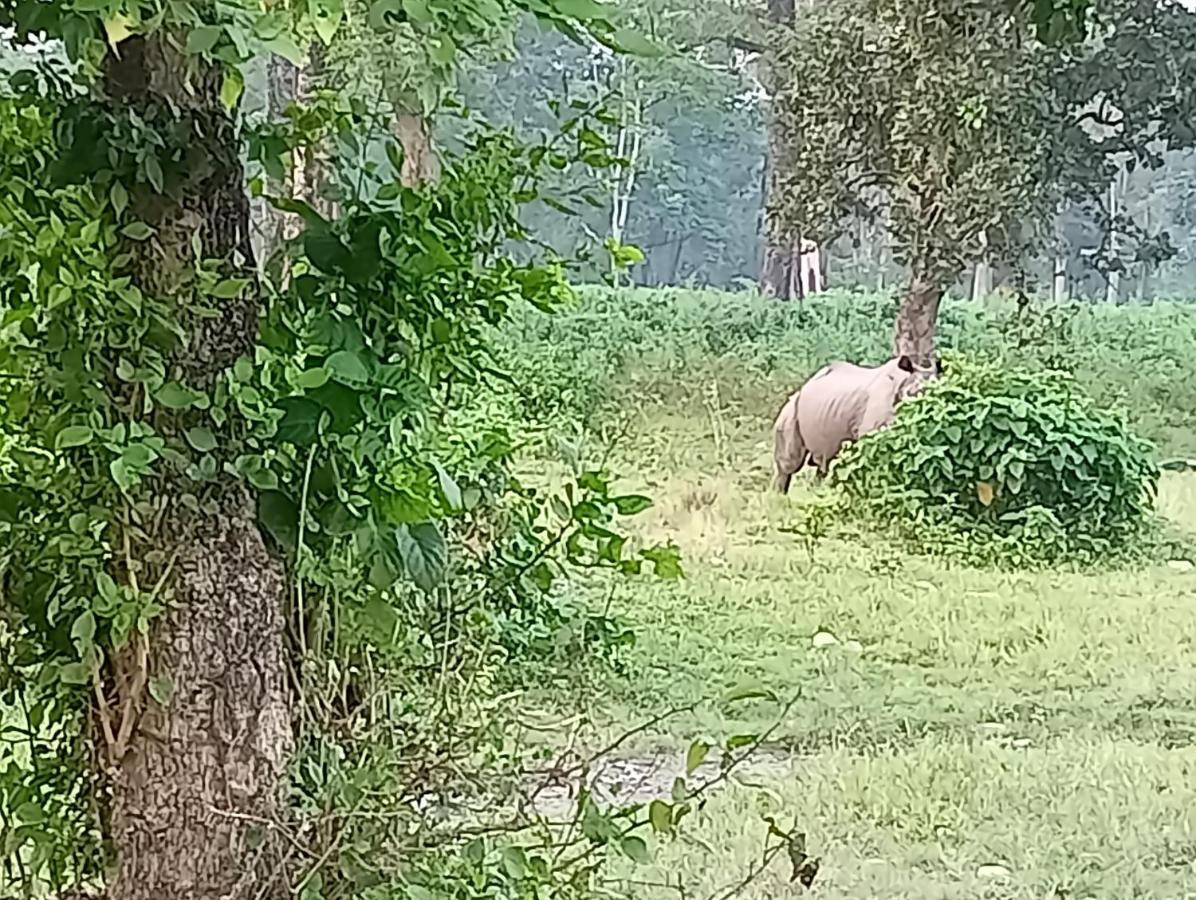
(905,364)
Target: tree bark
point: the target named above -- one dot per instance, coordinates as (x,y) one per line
(421,163)
(782,253)
(310,175)
(982,274)
(915,330)
(199,779)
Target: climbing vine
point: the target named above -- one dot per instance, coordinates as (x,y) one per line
(148,383)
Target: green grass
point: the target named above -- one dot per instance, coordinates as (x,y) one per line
(1045,722)
(623,346)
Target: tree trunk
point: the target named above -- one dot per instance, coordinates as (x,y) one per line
(310,176)
(982,273)
(275,228)
(1059,281)
(1113,277)
(776,275)
(915,331)
(421,164)
(675,261)
(197,780)
(782,251)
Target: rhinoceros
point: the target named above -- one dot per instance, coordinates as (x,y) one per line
(841,402)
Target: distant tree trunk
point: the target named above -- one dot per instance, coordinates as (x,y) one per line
(781,249)
(311,174)
(675,262)
(193,780)
(282,89)
(982,274)
(421,163)
(1059,282)
(1113,277)
(915,330)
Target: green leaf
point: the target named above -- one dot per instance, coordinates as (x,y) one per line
(449,488)
(514,862)
(442,331)
(382,617)
(173,395)
(285,48)
(348,368)
(631,505)
(137,231)
(666,561)
(749,691)
(279,515)
(107,587)
(262,479)
(232,88)
(329,24)
(73,436)
(29,813)
(635,848)
(153,171)
(660,814)
(418,12)
(383,10)
(83,632)
(75,673)
(741,740)
(312,378)
(631,42)
(697,754)
(203,38)
(326,251)
(118,28)
(582,10)
(300,422)
(424,553)
(230,288)
(119,197)
(201,439)
(161,688)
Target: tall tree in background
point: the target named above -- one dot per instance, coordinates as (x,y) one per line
(782,245)
(924,115)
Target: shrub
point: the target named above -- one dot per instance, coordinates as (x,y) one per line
(1001,464)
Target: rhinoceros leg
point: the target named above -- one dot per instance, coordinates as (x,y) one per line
(789,450)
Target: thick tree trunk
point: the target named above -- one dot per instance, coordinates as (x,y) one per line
(780,273)
(915,331)
(421,163)
(198,779)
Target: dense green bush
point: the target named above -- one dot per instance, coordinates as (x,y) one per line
(1003,464)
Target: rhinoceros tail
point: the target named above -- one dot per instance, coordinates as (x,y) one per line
(789,452)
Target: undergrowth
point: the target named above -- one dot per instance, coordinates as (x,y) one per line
(998,464)
(620,349)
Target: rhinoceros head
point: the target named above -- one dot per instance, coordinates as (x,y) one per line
(917,374)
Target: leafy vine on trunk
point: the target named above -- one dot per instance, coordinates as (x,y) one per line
(194,515)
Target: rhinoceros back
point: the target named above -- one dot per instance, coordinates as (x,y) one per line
(831,406)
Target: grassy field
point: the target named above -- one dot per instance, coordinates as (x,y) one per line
(971,734)
(1044,724)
